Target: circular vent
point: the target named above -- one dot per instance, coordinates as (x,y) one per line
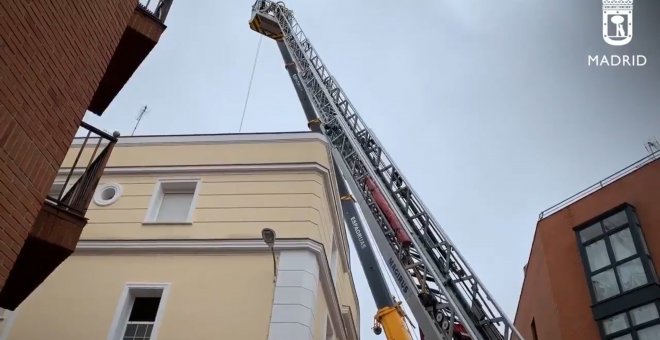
(107,194)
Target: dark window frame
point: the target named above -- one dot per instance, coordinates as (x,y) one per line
(632,329)
(634,225)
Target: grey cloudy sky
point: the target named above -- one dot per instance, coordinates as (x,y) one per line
(488,107)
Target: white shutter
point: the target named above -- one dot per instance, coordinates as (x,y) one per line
(174,207)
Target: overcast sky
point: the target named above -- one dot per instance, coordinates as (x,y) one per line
(489,108)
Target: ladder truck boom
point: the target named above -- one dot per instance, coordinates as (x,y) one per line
(390,315)
(444,294)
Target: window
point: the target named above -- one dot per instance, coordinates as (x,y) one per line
(139,312)
(535,336)
(614,254)
(639,323)
(334,260)
(329,333)
(141,319)
(173,201)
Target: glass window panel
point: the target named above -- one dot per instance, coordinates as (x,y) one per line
(615,220)
(615,323)
(130,330)
(144,309)
(622,244)
(149,328)
(631,274)
(604,285)
(644,313)
(649,333)
(141,330)
(590,232)
(597,255)
(624,337)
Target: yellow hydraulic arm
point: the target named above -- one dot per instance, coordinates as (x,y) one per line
(393,321)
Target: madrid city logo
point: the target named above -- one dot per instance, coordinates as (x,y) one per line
(617,21)
(617,31)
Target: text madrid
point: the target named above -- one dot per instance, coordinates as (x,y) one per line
(617,60)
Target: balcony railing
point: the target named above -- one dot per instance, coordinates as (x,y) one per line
(157,8)
(91,157)
(601,184)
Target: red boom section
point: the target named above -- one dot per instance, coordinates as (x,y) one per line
(400,233)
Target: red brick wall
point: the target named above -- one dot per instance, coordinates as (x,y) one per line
(565,278)
(52,57)
(536,292)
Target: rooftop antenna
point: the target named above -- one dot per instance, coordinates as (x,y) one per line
(143,111)
(652,146)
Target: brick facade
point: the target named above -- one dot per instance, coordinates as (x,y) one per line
(555,294)
(53,55)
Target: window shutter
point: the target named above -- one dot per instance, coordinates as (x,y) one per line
(174,207)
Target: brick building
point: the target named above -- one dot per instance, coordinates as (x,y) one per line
(57,60)
(592,269)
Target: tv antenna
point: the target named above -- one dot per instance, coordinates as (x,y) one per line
(652,146)
(143,111)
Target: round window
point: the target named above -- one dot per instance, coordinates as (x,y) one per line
(107,194)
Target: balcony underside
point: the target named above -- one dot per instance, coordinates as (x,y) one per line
(139,38)
(52,239)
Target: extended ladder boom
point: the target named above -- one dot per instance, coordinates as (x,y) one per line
(436,280)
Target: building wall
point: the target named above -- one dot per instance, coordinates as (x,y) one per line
(244,187)
(210,297)
(556,241)
(541,309)
(53,55)
(228,206)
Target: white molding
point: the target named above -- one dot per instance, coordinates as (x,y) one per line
(208,246)
(207,168)
(192,246)
(346,310)
(123,307)
(8,323)
(286,137)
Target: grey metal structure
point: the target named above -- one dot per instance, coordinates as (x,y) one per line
(436,281)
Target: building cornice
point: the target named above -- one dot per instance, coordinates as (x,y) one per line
(214,246)
(205,139)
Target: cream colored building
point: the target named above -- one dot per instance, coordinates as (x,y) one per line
(174,248)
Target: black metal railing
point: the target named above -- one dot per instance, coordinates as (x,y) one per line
(82,176)
(597,186)
(157,8)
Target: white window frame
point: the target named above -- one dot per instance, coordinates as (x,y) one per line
(125,304)
(334,259)
(8,318)
(329,327)
(157,197)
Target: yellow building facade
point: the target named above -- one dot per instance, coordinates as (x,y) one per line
(173,249)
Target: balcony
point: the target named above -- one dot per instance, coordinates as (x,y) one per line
(55,233)
(145,27)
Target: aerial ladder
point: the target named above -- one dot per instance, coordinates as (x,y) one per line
(443,293)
